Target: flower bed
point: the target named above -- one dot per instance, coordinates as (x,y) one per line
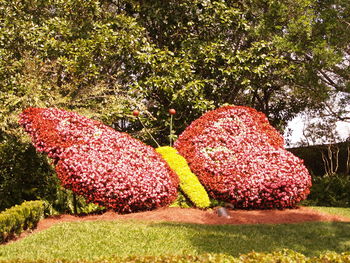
(108,168)
(239,158)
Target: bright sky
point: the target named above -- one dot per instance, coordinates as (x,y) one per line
(297,125)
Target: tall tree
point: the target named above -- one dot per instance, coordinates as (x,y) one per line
(217,52)
(69,54)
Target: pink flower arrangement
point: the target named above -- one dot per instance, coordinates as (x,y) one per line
(107,167)
(239,158)
(236,154)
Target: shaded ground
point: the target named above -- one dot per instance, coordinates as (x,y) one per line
(197,216)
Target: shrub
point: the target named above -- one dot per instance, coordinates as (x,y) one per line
(330,191)
(239,158)
(332,257)
(24,175)
(181,201)
(189,183)
(20,217)
(285,255)
(108,168)
(67,202)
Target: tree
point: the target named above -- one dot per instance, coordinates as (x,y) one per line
(105,58)
(96,56)
(324,58)
(321,130)
(66,54)
(217,52)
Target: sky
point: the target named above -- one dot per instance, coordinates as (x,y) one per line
(297,124)
(336,103)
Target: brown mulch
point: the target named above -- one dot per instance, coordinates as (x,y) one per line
(197,216)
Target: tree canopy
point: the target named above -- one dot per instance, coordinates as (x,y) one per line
(105,58)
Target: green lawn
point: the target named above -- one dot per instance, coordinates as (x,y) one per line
(340,211)
(106,239)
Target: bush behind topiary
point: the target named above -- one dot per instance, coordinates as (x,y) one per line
(330,190)
(24,174)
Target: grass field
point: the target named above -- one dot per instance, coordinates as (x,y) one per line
(340,211)
(106,239)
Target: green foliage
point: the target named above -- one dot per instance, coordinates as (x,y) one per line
(181,201)
(18,218)
(105,58)
(65,203)
(217,52)
(326,49)
(70,54)
(102,58)
(191,55)
(24,174)
(330,191)
(189,183)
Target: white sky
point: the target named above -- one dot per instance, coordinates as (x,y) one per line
(297,125)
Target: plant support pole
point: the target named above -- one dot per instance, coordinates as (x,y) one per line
(171,131)
(147,131)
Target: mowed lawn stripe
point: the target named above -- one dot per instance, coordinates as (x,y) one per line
(106,239)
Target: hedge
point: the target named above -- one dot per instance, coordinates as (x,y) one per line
(331,191)
(283,256)
(313,158)
(18,218)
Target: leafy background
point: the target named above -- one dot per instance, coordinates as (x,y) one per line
(105,58)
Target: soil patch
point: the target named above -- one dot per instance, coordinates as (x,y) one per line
(197,216)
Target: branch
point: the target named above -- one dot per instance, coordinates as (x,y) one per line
(329,81)
(336,114)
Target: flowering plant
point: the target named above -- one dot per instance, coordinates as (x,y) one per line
(107,167)
(236,154)
(189,183)
(239,158)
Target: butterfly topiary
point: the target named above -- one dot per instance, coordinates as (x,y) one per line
(233,152)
